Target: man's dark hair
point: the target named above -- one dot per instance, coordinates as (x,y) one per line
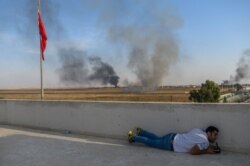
(212,129)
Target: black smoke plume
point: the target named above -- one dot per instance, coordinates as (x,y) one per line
(148,34)
(103,72)
(76,67)
(79,69)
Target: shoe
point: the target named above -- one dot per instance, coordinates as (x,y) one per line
(130,137)
(138,130)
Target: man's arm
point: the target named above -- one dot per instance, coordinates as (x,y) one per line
(196,150)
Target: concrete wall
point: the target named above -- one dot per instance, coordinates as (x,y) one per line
(114,119)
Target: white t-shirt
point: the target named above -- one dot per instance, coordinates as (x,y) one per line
(185,142)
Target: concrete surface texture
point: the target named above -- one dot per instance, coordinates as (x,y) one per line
(26,147)
(114,119)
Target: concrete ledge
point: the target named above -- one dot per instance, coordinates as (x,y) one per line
(114,119)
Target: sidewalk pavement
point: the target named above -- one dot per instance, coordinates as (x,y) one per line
(27,147)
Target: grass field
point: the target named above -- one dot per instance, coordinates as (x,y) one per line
(168,94)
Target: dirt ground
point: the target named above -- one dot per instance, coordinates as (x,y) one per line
(166,94)
(101,94)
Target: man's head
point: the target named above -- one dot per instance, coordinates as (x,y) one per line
(212,133)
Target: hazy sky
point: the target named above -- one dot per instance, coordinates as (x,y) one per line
(211,36)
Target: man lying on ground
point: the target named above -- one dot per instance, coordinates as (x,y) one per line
(195,141)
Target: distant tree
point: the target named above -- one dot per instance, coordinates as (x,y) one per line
(209,92)
(195,96)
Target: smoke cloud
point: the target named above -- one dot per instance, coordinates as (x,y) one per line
(243,69)
(74,70)
(103,72)
(148,35)
(145,29)
(79,69)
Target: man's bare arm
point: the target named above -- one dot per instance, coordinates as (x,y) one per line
(196,150)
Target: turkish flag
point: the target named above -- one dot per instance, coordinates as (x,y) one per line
(43,35)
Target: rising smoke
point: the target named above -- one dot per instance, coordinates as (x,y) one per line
(147,30)
(243,69)
(79,69)
(103,72)
(76,68)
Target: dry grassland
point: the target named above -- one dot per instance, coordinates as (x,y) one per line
(101,94)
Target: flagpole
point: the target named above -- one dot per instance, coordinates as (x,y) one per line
(41,61)
(41,69)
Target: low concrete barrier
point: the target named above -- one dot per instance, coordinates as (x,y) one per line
(114,119)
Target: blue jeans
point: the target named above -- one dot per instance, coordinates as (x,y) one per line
(153,140)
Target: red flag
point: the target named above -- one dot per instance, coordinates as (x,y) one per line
(43,35)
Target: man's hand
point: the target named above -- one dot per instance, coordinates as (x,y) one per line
(210,150)
(196,151)
(216,148)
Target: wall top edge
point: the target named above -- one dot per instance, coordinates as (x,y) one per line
(122,102)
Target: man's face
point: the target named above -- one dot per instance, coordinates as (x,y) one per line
(212,136)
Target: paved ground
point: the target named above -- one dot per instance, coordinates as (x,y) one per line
(23,147)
